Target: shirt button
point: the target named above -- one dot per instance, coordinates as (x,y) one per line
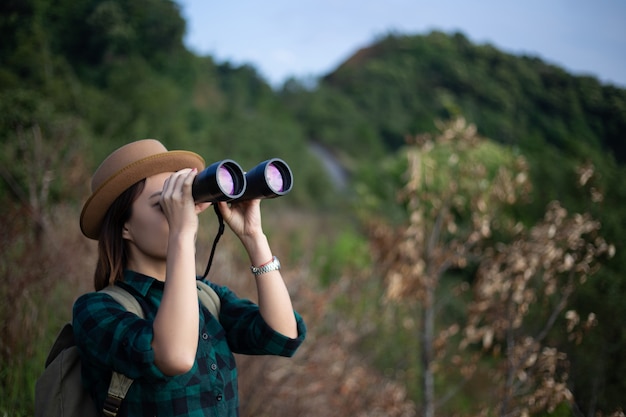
(218,397)
(205,336)
(213,367)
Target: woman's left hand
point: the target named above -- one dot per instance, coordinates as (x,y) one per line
(243,218)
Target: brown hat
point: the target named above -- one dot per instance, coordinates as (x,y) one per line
(124,167)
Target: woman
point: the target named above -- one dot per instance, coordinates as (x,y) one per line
(144,217)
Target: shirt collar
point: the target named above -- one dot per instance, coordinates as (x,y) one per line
(140,282)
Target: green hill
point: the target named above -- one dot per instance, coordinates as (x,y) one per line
(401,83)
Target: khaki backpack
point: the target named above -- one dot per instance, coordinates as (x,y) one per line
(59,391)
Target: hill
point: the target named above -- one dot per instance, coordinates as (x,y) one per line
(402,83)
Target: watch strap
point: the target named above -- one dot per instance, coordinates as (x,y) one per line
(272,265)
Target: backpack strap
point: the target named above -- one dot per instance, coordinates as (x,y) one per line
(209,298)
(124,298)
(120,383)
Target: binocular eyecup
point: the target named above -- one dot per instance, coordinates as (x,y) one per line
(226,181)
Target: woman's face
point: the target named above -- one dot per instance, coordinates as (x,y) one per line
(146,232)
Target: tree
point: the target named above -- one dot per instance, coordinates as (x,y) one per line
(39,154)
(457,189)
(539,270)
(460,193)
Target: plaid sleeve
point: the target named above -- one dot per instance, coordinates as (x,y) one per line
(247,332)
(109,337)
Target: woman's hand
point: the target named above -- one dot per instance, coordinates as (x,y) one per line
(177,202)
(175,326)
(243,218)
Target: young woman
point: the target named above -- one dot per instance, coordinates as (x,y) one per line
(180,357)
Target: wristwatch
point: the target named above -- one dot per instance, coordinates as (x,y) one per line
(272,265)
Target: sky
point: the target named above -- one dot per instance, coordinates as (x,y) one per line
(309,39)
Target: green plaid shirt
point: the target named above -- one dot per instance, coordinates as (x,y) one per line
(108,337)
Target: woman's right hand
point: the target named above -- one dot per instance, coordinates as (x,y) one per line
(177,202)
(175,326)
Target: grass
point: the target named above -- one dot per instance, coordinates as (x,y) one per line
(41,278)
(36,317)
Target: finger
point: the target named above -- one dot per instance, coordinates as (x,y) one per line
(166,188)
(177,180)
(200,207)
(170,186)
(224,209)
(223,206)
(188,179)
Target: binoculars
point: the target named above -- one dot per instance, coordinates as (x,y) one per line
(226,181)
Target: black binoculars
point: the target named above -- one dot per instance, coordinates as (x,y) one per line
(226,181)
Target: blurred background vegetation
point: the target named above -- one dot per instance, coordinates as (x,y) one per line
(79,78)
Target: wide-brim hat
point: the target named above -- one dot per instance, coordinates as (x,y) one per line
(124,167)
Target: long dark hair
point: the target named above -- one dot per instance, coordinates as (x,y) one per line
(112,249)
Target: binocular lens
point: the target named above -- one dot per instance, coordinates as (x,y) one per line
(274,178)
(221,181)
(226,180)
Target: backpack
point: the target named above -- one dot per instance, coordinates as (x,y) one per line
(59,391)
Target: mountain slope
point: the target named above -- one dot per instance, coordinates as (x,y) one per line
(401,83)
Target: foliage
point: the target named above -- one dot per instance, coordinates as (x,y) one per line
(522,284)
(412,80)
(522,290)
(454,199)
(129,77)
(344,255)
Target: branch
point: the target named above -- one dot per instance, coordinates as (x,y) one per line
(13,186)
(569,289)
(436,231)
(516,365)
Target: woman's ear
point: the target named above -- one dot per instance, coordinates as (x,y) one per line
(126,234)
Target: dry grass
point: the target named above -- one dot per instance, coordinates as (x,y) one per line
(40,279)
